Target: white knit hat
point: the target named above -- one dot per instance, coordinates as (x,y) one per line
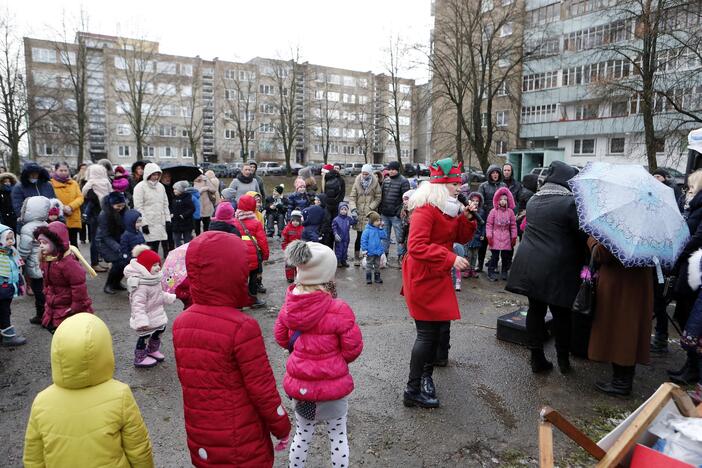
(367,168)
(315,262)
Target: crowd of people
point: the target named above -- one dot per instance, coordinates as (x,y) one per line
(443,231)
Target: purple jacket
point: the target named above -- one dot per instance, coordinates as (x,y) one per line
(501,226)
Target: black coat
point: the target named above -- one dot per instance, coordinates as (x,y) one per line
(7,212)
(182,209)
(109,232)
(335,190)
(553,250)
(91,208)
(488,188)
(693,216)
(392,190)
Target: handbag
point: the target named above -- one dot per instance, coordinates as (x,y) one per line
(259,254)
(584,302)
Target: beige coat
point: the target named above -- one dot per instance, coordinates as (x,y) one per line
(364,201)
(208,186)
(152,203)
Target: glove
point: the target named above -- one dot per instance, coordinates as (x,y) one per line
(337,237)
(282,444)
(145,230)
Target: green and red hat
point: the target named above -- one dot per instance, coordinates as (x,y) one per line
(444,171)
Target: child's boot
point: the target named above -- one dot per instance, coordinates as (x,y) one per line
(505,274)
(492,275)
(152,349)
(467,273)
(36,320)
(357,258)
(369,277)
(142,359)
(457,284)
(9,337)
(377,278)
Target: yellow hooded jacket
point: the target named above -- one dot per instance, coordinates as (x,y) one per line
(258,213)
(86,418)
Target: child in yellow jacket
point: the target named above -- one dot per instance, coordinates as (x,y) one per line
(73,422)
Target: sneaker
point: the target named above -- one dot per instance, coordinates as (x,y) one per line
(258,304)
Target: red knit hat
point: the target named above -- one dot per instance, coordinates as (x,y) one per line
(444,171)
(328,167)
(148,258)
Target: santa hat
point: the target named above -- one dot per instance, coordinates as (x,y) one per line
(326,168)
(316,263)
(444,171)
(146,257)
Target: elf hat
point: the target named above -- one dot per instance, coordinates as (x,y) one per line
(444,171)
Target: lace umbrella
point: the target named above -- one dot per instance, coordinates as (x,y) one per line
(174,269)
(631,213)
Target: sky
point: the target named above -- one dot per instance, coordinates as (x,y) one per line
(353,34)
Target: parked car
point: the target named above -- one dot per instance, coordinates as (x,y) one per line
(541,172)
(474,175)
(220,170)
(378,167)
(266,168)
(410,170)
(294,168)
(316,168)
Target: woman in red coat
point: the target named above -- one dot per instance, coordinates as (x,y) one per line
(230,400)
(253,234)
(438,221)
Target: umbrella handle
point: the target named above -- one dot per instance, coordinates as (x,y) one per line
(659,270)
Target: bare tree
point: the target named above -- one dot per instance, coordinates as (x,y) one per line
(18,116)
(366,129)
(240,106)
(192,105)
(140,95)
(326,115)
(288,124)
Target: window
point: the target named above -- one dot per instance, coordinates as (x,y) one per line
(317,149)
(124,129)
(581,7)
(267,109)
(229,134)
(47,149)
(349,98)
(349,133)
(506,30)
(168,68)
(68,58)
(166,152)
(486,6)
(406,89)
(230,94)
(502,90)
(167,130)
(166,89)
(43,55)
(186,91)
(44,103)
(538,81)
(539,114)
(363,99)
(187,152)
(186,69)
(185,133)
(404,120)
(186,112)
(362,82)
(544,15)
(501,147)
(266,128)
(122,85)
(334,79)
(659,144)
(334,131)
(149,151)
(586,111)
(332,96)
(596,36)
(483,119)
(543,48)
(333,149)
(584,147)
(405,153)
(123,151)
(51,127)
(230,74)
(167,111)
(122,108)
(616,145)
(70,151)
(348,150)
(247,116)
(501,118)
(319,77)
(349,81)
(70,105)
(619,108)
(507,2)
(404,137)
(246,75)
(266,89)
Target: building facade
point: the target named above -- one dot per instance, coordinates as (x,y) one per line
(140,103)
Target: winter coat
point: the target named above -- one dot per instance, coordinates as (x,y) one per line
(276,205)
(552,252)
(109,232)
(341,226)
(364,201)
(131,237)
(312,219)
(488,188)
(208,186)
(298,201)
(182,209)
(476,241)
(317,369)
(242,184)
(256,231)
(26,189)
(392,190)
(70,195)
(146,297)
(152,203)
(230,400)
(195,197)
(515,188)
(8,215)
(34,214)
(326,236)
(621,329)
(91,207)
(335,190)
(291,233)
(372,240)
(501,225)
(85,418)
(426,278)
(64,280)
(693,217)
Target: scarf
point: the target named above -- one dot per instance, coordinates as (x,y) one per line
(243,179)
(242,215)
(134,282)
(101,187)
(73,250)
(452,207)
(63,180)
(549,188)
(366,181)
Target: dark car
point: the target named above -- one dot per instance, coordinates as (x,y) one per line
(474,175)
(316,168)
(410,170)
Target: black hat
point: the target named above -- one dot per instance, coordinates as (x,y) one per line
(560,173)
(393,166)
(662,172)
(116,197)
(279,188)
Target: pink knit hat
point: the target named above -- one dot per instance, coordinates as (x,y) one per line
(299,182)
(121,184)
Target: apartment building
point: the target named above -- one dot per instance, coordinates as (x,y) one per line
(570,104)
(219,111)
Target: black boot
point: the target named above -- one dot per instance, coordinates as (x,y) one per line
(36,320)
(369,277)
(539,363)
(109,285)
(377,277)
(564,363)
(688,374)
(117,282)
(504,275)
(419,398)
(622,381)
(659,344)
(492,275)
(428,386)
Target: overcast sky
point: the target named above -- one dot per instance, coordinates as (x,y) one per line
(347,34)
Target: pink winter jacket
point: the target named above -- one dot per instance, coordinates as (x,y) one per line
(146,297)
(317,369)
(501,226)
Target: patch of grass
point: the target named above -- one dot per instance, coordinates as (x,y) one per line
(514,459)
(606,419)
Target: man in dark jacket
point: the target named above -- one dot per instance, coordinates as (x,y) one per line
(34,181)
(394,185)
(664,177)
(136,176)
(335,190)
(487,189)
(510,182)
(547,264)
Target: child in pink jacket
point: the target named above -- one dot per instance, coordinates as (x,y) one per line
(322,336)
(501,232)
(147,299)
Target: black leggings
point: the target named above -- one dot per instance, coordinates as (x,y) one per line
(164,245)
(5,310)
(205,225)
(73,234)
(37,285)
(357,243)
(141,342)
(482,252)
(424,350)
(536,327)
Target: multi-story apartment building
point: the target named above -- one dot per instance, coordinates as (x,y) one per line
(573,100)
(213,109)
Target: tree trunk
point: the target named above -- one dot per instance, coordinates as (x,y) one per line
(15,158)
(140,149)
(81,141)
(459,135)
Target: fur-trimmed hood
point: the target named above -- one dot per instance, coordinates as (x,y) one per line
(33,167)
(57,233)
(8,175)
(481,201)
(694,270)
(498,194)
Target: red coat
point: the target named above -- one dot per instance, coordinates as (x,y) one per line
(64,280)
(255,228)
(291,233)
(317,369)
(230,400)
(426,269)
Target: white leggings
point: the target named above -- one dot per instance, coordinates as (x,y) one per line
(304,433)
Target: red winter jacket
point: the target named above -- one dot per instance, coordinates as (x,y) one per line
(426,278)
(291,233)
(230,400)
(255,228)
(317,369)
(64,279)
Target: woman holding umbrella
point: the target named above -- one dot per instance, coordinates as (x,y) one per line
(438,221)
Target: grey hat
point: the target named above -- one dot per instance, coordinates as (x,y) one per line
(181,186)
